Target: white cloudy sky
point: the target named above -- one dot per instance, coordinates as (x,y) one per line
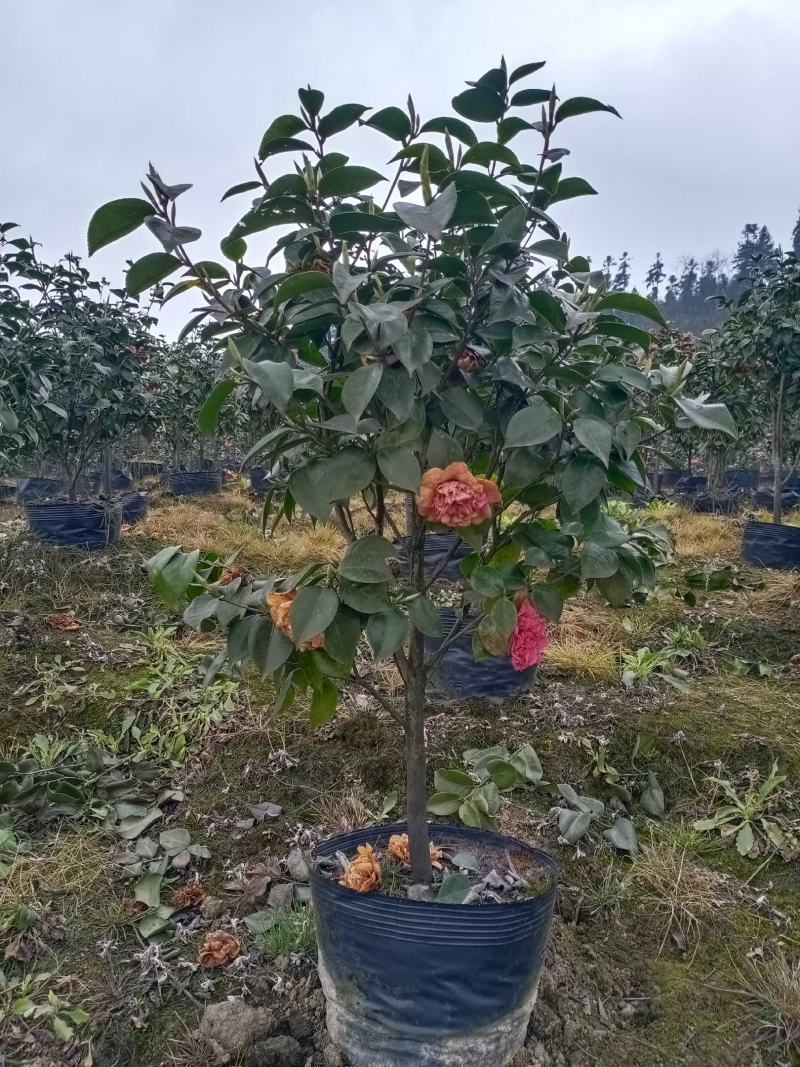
(708,90)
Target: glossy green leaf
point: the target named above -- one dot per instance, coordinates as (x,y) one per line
(208,417)
(426,617)
(480,104)
(148,271)
(339,118)
(386,631)
(359,389)
(313,610)
(116,219)
(581,105)
(533,425)
(582,481)
(391,121)
(365,560)
(596,436)
(400,467)
(633,304)
(347,181)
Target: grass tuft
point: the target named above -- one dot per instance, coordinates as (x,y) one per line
(291,934)
(771,992)
(585,658)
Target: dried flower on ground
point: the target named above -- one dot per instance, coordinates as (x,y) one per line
(218,949)
(399,850)
(62,620)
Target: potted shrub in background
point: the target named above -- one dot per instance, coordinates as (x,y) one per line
(430,332)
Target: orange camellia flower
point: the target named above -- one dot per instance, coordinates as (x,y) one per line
(230,572)
(218,949)
(398,850)
(453,496)
(280,604)
(364,873)
(188,896)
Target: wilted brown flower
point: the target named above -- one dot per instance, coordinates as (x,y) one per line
(364,873)
(280,605)
(399,850)
(62,620)
(188,896)
(218,949)
(321,264)
(468,360)
(231,572)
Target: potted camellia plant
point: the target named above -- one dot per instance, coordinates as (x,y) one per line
(82,347)
(428,333)
(759,344)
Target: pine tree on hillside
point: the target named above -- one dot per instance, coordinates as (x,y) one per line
(608,263)
(745,250)
(656,274)
(623,276)
(796,237)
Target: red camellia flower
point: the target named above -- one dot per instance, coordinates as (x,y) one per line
(529,639)
(453,496)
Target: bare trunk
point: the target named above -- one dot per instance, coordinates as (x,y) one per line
(106,471)
(416,765)
(777,453)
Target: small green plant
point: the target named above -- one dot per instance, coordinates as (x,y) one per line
(637,783)
(474,794)
(576,820)
(645,665)
(290,932)
(54,684)
(685,642)
(31,997)
(751,817)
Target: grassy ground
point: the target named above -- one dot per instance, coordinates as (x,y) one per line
(684,953)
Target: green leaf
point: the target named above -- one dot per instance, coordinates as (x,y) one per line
(633,304)
(233,248)
(312,611)
(311,99)
(707,416)
(277,145)
(444,803)
(346,473)
(386,631)
(309,488)
(429,218)
(342,636)
(581,105)
(282,127)
(359,389)
(504,617)
(504,774)
(339,118)
(461,408)
(455,127)
(509,230)
(391,121)
(148,890)
(171,572)
(582,481)
(595,435)
(116,219)
(346,223)
(533,425)
(208,417)
(347,181)
(622,835)
(548,601)
(443,449)
(148,271)
(569,188)
(480,104)
(745,839)
(400,468)
(453,780)
(242,187)
(62,1029)
(597,561)
(365,560)
(324,698)
(487,152)
(652,797)
(551,248)
(527,762)
(276,652)
(297,284)
(454,889)
(275,380)
(487,582)
(396,392)
(617,588)
(527,97)
(425,616)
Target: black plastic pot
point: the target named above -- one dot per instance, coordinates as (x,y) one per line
(670,477)
(411,983)
(7,492)
(437,548)
(31,489)
(763,499)
(713,503)
(766,545)
(692,483)
(119,480)
(78,524)
(260,480)
(145,468)
(134,507)
(742,478)
(459,676)
(194,483)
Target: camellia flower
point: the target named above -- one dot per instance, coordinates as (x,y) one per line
(280,604)
(529,639)
(453,496)
(230,572)
(399,850)
(364,873)
(468,360)
(218,949)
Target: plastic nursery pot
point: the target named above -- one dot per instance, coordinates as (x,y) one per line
(763,499)
(767,545)
(742,478)
(38,488)
(134,507)
(259,480)
(459,676)
(671,477)
(417,984)
(119,480)
(7,491)
(194,483)
(714,504)
(692,483)
(145,468)
(76,524)
(438,547)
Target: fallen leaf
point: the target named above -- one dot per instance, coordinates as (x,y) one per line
(62,620)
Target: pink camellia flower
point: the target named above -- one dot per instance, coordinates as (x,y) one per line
(454,496)
(529,639)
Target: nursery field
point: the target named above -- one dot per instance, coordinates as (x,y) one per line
(156,912)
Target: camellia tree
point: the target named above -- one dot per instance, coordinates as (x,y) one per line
(759,345)
(428,332)
(75,362)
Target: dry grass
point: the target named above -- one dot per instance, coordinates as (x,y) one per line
(780,594)
(669,884)
(586,658)
(771,991)
(71,865)
(344,812)
(704,535)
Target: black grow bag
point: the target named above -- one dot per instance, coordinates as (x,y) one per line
(38,488)
(763,499)
(458,675)
(742,478)
(412,982)
(145,468)
(194,483)
(713,503)
(7,492)
(766,545)
(79,524)
(437,548)
(259,480)
(670,477)
(693,483)
(134,507)
(119,480)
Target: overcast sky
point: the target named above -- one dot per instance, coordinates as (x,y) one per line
(709,91)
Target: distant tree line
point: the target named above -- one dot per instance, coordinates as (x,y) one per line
(685,297)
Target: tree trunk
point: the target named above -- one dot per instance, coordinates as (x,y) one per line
(107,471)
(416,764)
(777,453)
